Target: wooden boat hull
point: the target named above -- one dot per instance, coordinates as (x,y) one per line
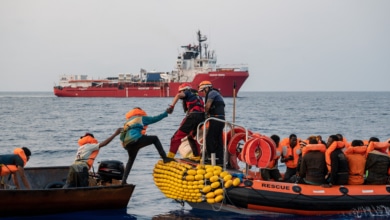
(44,199)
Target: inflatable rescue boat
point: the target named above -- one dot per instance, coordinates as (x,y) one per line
(211,187)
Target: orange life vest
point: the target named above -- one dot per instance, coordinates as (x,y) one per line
(313,147)
(7,169)
(134,112)
(295,152)
(379,146)
(89,140)
(356,157)
(273,162)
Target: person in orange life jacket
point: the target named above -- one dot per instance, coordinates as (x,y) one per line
(272,171)
(14,164)
(356,156)
(214,107)
(86,153)
(378,162)
(133,138)
(313,167)
(338,169)
(290,156)
(193,106)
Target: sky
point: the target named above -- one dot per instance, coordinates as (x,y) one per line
(300,45)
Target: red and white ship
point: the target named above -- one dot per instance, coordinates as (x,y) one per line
(193,66)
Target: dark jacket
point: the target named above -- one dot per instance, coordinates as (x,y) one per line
(313,168)
(339,173)
(377,165)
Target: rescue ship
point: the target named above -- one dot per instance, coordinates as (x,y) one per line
(193,65)
(219,188)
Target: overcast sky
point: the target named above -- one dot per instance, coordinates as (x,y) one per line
(332,45)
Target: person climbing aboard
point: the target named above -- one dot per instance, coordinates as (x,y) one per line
(133,138)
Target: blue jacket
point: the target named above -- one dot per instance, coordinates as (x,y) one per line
(132,129)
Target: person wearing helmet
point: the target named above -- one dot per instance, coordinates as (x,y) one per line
(133,137)
(193,106)
(214,107)
(14,164)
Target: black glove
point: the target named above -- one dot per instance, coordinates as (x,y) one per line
(170,109)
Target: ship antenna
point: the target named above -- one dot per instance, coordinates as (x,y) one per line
(200,40)
(205,50)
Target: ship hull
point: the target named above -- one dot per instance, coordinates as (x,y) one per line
(222,80)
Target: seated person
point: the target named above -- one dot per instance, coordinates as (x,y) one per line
(313,167)
(356,156)
(336,161)
(87,152)
(378,163)
(272,171)
(290,156)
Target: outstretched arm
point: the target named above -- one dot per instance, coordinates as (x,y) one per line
(178,96)
(108,140)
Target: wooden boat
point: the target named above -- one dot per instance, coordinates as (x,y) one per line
(217,188)
(48,197)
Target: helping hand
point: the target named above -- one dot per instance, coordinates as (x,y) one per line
(118,131)
(169,110)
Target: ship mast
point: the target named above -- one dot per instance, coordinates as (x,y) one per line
(200,40)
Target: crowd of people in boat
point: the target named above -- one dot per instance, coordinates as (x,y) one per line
(335,162)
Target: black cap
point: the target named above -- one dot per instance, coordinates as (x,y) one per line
(27,151)
(87,134)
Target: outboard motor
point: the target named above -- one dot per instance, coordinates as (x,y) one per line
(110,169)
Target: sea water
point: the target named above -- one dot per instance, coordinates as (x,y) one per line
(51,126)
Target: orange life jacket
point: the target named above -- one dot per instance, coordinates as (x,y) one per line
(134,112)
(313,147)
(335,145)
(89,140)
(295,152)
(7,169)
(379,146)
(356,157)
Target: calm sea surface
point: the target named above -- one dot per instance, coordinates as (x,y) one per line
(50,127)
